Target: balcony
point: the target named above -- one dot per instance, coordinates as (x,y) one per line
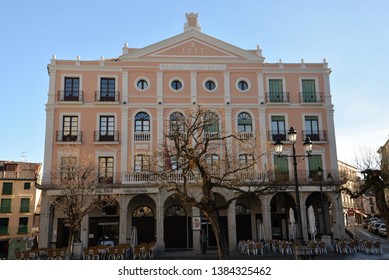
(245,135)
(274,134)
(107,97)
(68,137)
(103,137)
(75,96)
(311,97)
(212,135)
(277,97)
(315,136)
(142,136)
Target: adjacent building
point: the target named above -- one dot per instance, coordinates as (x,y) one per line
(117,110)
(18,200)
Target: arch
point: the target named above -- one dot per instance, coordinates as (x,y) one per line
(321,205)
(142,122)
(143,208)
(177,223)
(244,122)
(248,218)
(280,205)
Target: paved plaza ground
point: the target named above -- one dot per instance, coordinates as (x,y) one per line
(356,231)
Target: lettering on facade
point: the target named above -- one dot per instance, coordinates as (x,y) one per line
(110,191)
(193,67)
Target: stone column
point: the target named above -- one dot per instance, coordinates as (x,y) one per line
(196,233)
(231,227)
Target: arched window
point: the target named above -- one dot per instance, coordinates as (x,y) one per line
(211,123)
(143,211)
(142,122)
(176,122)
(175,210)
(245,123)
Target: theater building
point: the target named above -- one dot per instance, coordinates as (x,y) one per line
(116,110)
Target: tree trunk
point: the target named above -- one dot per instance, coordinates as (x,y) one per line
(70,245)
(221,242)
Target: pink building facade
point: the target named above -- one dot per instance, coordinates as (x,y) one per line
(117,109)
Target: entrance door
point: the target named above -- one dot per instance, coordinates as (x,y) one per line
(176,234)
(243,227)
(207,227)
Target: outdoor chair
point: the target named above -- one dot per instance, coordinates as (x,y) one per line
(258,248)
(377,247)
(137,253)
(369,247)
(85,254)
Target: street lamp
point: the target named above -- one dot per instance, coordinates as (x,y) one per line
(292,137)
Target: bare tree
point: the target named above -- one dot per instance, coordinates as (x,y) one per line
(199,159)
(76,180)
(375,170)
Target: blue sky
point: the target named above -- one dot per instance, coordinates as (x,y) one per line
(352,35)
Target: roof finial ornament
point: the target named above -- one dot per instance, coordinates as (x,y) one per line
(192,22)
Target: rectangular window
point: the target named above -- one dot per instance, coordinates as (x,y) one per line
(27,185)
(309,90)
(25,205)
(314,162)
(278,128)
(4,226)
(281,169)
(312,127)
(72,89)
(142,163)
(107,128)
(5,206)
(70,128)
(23,225)
(275,90)
(68,168)
(106,165)
(107,89)
(7,188)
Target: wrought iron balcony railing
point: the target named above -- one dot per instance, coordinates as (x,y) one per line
(106,136)
(74,96)
(311,97)
(68,136)
(277,97)
(113,96)
(318,135)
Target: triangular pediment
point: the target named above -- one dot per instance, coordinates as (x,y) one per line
(193,48)
(191,45)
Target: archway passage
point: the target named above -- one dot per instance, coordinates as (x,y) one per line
(144,221)
(280,223)
(243,222)
(177,226)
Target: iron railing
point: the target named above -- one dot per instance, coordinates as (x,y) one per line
(113,96)
(277,97)
(75,96)
(68,136)
(106,136)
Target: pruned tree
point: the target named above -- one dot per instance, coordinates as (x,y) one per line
(79,191)
(375,170)
(198,159)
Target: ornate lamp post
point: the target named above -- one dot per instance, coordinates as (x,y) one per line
(292,137)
